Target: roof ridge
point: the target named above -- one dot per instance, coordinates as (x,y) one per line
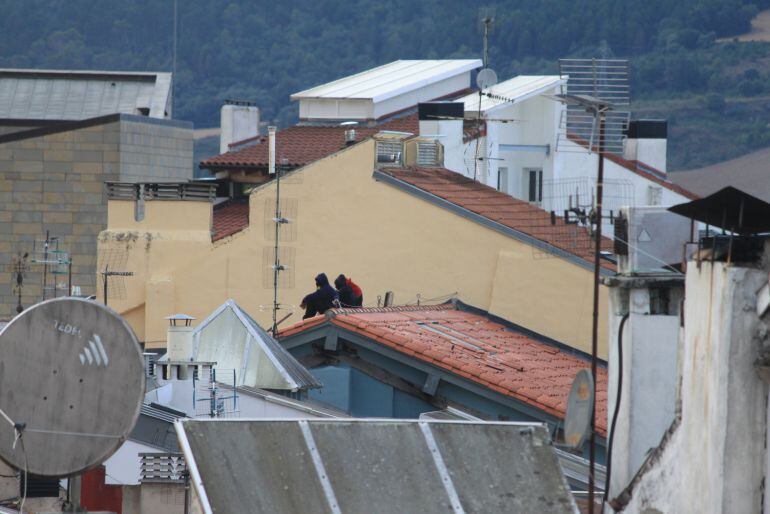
(448,306)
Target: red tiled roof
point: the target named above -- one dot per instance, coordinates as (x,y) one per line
(502,208)
(303,144)
(471,346)
(229,218)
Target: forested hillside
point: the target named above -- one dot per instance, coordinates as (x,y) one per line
(263,51)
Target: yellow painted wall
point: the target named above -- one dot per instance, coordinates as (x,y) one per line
(381,236)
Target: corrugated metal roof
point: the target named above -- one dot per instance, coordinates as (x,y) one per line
(518,89)
(155,427)
(77,95)
(389,80)
(378,466)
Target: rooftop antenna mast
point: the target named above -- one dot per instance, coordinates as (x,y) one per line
(56,262)
(173,62)
(594,88)
(278,221)
(485,79)
(20,268)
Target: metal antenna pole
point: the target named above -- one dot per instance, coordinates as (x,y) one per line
(173,64)
(487,22)
(595,325)
(45,262)
(105,274)
(277,263)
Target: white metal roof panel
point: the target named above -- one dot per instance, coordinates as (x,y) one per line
(518,89)
(77,95)
(390,80)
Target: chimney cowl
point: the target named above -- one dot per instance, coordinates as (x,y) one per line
(350,137)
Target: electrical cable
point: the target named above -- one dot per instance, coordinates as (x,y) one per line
(26,467)
(611,439)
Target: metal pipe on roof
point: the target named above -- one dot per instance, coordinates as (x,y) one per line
(271,145)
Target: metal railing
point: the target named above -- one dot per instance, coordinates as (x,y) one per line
(162,467)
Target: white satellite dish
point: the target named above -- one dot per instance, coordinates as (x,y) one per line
(486,78)
(580,408)
(72,382)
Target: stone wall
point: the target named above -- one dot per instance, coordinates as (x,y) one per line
(55,182)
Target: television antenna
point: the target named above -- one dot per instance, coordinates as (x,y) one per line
(485,79)
(19,268)
(76,374)
(282,267)
(606,80)
(112,263)
(594,88)
(56,263)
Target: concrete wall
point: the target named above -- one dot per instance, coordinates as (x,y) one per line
(124,467)
(650,378)
(713,461)
(384,238)
(55,182)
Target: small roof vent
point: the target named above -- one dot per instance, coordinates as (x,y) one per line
(181,319)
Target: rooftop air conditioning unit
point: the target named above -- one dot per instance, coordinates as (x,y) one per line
(421,151)
(649,239)
(390,148)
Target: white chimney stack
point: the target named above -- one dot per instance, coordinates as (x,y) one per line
(179,339)
(646,143)
(237,121)
(444,121)
(271,151)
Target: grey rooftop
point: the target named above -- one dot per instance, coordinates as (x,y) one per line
(73,95)
(378,466)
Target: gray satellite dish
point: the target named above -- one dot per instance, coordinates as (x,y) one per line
(72,380)
(580,408)
(486,78)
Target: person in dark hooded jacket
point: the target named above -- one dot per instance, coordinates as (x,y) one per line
(320,301)
(350,294)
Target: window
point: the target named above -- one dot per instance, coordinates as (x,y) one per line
(535,183)
(502,179)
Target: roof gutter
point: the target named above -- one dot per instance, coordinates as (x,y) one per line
(488,223)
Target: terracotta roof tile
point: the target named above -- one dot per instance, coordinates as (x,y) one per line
(229,217)
(302,144)
(472,346)
(501,208)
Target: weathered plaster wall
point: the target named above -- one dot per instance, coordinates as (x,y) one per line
(713,462)
(347,222)
(650,380)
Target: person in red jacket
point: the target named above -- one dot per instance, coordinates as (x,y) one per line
(350,294)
